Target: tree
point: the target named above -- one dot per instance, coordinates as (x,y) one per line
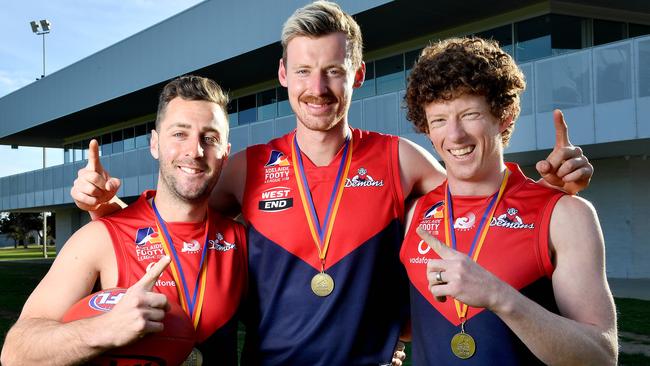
(17,225)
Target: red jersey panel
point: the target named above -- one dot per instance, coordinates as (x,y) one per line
(516,250)
(137,244)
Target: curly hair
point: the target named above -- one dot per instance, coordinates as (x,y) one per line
(450,68)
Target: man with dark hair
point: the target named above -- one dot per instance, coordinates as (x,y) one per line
(206,250)
(522,270)
(326,285)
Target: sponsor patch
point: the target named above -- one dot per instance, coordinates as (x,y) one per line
(275,199)
(511,220)
(220,244)
(277,167)
(363,179)
(191,247)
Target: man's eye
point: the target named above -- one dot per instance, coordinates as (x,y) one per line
(211,140)
(471,115)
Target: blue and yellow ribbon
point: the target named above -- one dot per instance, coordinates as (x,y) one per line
(191,305)
(321,234)
(481,231)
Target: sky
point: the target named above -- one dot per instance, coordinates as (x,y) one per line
(79,28)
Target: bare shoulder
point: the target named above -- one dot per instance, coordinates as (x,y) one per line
(73,274)
(420,171)
(227,195)
(575,229)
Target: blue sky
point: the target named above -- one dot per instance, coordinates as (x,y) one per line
(79,29)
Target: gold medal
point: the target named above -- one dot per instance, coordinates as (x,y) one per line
(194,359)
(463,345)
(322,284)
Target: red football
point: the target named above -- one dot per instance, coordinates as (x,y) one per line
(169,347)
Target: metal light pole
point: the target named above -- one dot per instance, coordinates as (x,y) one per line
(41,29)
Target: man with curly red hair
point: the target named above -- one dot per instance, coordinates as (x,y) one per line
(521,265)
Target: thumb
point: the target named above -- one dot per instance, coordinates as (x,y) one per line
(151,276)
(441,249)
(112,185)
(93,157)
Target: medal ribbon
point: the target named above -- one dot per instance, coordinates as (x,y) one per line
(321,234)
(481,231)
(191,305)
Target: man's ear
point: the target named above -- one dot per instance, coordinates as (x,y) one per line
(282,73)
(153,144)
(359,76)
(505,123)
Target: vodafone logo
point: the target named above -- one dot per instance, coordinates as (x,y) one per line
(423,247)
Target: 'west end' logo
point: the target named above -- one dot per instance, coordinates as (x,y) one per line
(276,199)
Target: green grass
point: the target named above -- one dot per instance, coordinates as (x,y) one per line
(18,279)
(633,316)
(32,252)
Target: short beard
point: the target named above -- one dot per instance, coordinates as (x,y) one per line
(198,195)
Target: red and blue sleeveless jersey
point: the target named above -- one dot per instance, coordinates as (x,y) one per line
(359,322)
(516,250)
(137,244)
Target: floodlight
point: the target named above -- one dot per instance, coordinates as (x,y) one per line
(35,26)
(45,25)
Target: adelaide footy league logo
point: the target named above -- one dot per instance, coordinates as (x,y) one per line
(146,235)
(276,168)
(220,244)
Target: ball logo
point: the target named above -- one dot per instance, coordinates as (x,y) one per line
(105,300)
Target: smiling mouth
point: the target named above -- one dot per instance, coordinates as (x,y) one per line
(189,170)
(462,151)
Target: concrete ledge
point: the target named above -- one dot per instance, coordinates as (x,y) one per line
(636,288)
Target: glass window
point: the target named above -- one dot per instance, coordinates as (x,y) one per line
(141,136)
(266,105)
(533,38)
(232,113)
(247,111)
(635,30)
(118,144)
(642,68)
(390,74)
(106,145)
(368,87)
(129,138)
(568,34)
(606,31)
(502,34)
(150,127)
(613,73)
(549,35)
(411,57)
(284,107)
(78,151)
(85,144)
(67,154)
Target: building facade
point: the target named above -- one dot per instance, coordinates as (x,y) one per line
(589,58)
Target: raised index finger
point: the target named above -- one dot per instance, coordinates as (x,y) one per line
(151,276)
(93,157)
(561,129)
(441,249)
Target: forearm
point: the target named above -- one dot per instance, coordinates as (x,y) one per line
(554,339)
(49,342)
